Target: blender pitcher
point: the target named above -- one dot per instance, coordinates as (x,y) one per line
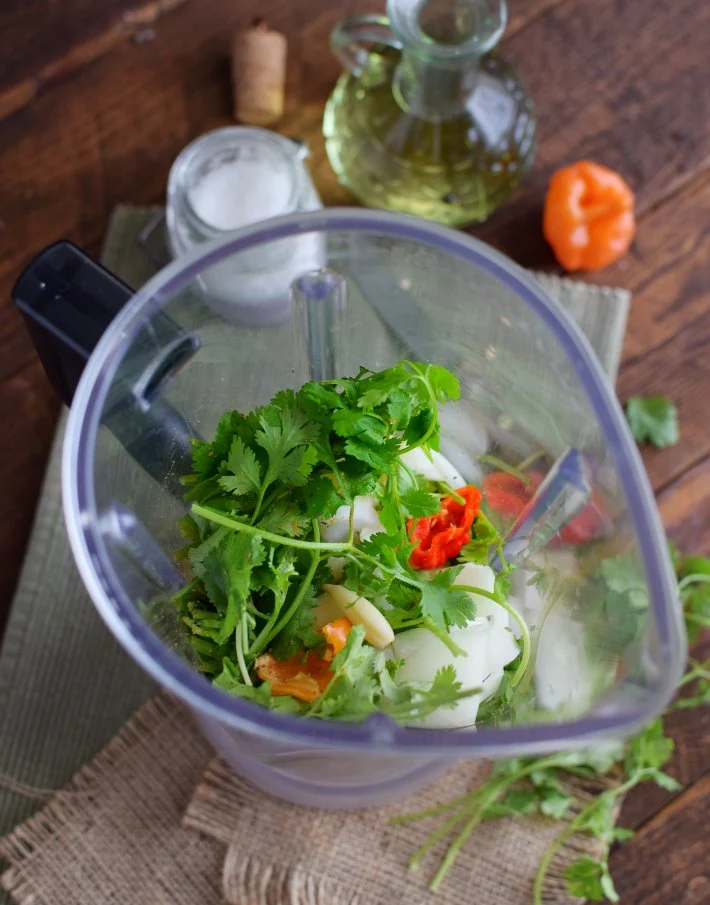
(163,365)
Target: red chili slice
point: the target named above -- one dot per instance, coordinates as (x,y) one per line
(440,537)
(507,495)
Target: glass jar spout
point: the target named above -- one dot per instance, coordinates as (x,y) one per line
(448,30)
(443,41)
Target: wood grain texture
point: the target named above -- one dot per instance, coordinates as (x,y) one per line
(602,92)
(669,860)
(98,119)
(72,41)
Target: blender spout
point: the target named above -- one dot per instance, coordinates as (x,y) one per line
(320,299)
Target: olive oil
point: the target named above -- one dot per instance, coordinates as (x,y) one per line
(444,139)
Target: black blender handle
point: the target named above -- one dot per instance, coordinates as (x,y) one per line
(67,301)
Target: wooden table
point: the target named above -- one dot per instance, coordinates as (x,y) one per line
(98,96)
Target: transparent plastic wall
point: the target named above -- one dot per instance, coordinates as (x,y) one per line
(607,649)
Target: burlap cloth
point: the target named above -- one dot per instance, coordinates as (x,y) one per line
(114,833)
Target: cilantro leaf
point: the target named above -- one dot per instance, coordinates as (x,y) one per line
(444,605)
(354,423)
(419,503)
(284,517)
(693,573)
(484,536)
(227,577)
(584,878)
(409,703)
(298,634)
(351,694)
(283,429)
(245,471)
(653,419)
(651,749)
(377,389)
(443,383)
(381,456)
(554,801)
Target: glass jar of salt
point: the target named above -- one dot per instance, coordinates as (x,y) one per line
(231,178)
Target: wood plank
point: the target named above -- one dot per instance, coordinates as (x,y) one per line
(665,269)
(666,346)
(77,42)
(602,93)
(53,42)
(685,510)
(41,31)
(690,730)
(680,369)
(668,861)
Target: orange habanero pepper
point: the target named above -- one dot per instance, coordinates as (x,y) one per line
(336,634)
(300,677)
(589,216)
(305,678)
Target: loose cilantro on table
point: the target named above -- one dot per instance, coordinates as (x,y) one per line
(653,419)
(258,492)
(541,784)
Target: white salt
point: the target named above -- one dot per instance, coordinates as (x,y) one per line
(239,192)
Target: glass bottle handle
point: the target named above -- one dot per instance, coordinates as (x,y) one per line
(350,38)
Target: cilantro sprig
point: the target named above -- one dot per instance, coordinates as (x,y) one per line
(259,491)
(653,419)
(541,785)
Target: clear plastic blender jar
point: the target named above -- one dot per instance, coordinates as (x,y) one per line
(168,365)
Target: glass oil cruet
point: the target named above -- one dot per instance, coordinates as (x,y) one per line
(426,119)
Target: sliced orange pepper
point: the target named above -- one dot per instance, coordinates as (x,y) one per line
(336,634)
(302,678)
(306,677)
(588,217)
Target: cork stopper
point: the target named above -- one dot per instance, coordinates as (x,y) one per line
(258,74)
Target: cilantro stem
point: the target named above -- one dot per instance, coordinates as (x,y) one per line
(300,594)
(446,827)
(697,578)
(351,525)
(476,817)
(433,424)
(536,637)
(525,634)
(550,853)
(240,654)
(533,457)
(474,805)
(432,812)
(213,515)
(444,637)
(698,671)
(449,491)
(488,459)
(578,825)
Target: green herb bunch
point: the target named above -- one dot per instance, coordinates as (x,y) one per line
(259,492)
